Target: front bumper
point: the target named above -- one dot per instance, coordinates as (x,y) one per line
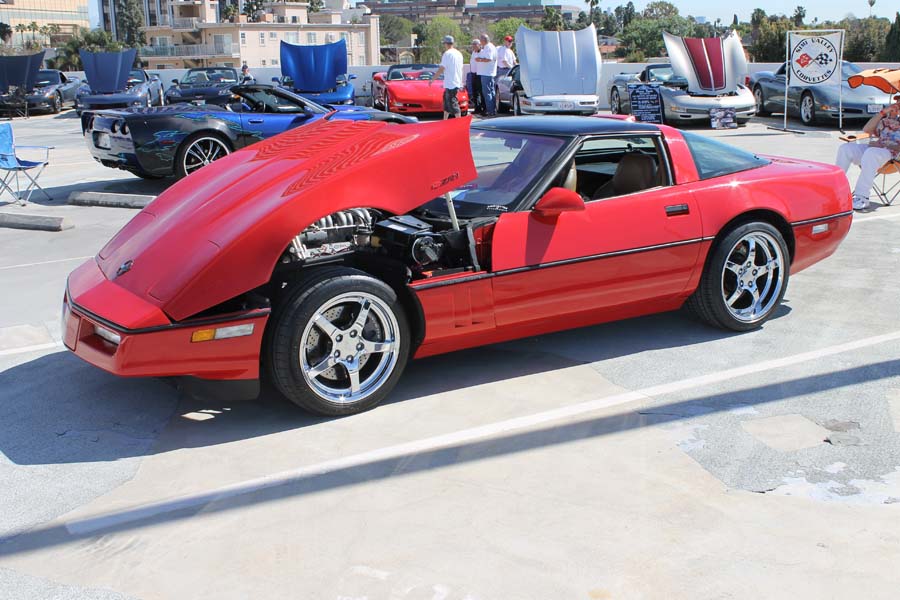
(573,105)
(151,345)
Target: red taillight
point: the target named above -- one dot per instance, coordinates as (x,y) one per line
(747,80)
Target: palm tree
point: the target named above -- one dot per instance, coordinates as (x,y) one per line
(871,4)
(22,28)
(6,32)
(33,28)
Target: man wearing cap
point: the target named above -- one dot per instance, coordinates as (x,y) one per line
(451,68)
(487,69)
(473,81)
(506,58)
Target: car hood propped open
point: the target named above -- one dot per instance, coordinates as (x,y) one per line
(19,71)
(559,62)
(314,68)
(107,72)
(712,66)
(220,231)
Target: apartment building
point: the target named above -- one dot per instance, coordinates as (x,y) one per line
(193,35)
(68,14)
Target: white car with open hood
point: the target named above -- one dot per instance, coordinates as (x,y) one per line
(559,72)
(703,74)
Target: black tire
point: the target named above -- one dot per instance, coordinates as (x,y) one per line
(292,318)
(708,301)
(516,107)
(760,97)
(615,102)
(808,118)
(181,170)
(56,107)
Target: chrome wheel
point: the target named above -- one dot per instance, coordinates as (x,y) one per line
(349,348)
(807,109)
(517,109)
(758,98)
(201,152)
(615,106)
(752,277)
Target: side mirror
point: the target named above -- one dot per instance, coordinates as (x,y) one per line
(351,76)
(276,80)
(175,81)
(154,78)
(558,200)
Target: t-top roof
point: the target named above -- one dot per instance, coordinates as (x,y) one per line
(564,125)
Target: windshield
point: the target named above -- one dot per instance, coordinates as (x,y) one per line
(46,78)
(507,164)
(659,74)
(426,74)
(136,76)
(848,69)
(269,101)
(211,76)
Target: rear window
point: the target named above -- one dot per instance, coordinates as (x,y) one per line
(714,159)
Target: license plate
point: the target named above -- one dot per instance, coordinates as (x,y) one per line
(199,102)
(567,105)
(101,140)
(874,108)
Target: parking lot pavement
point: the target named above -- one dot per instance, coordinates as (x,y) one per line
(643,459)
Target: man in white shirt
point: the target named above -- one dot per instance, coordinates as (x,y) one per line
(473,81)
(451,68)
(487,69)
(506,58)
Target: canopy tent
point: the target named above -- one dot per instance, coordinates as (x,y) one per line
(886,80)
(107,72)
(19,71)
(314,68)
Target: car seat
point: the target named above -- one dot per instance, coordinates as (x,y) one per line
(635,172)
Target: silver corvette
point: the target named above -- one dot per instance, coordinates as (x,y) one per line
(679,105)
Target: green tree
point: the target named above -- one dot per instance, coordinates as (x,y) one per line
(129,20)
(6,32)
(660,10)
(229,12)
(645,35)
(770,42)
(395,31)
(593,5)
(552,20)
(625,14)
(891,50)
(865,38)
(316,5)
(756,19)
(871,5)
(431,48)
(98,40)
(505,27)
(252,8)
(33,28)
(799,15)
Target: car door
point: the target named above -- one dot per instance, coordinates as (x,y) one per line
(774,90)
(271,113)
(622,255)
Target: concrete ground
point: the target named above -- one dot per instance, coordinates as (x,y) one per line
(650,458)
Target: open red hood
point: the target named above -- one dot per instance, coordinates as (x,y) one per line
(219,232)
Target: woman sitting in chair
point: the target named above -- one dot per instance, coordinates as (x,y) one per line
(884,146)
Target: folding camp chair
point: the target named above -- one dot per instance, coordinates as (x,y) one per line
(886,190)
(13,165)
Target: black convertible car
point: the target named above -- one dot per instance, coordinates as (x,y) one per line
(179,139)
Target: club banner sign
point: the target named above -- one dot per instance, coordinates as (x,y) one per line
(815,59)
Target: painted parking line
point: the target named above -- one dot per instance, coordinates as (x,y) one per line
(44,262)
(876,218)
(149,510)
(32,348)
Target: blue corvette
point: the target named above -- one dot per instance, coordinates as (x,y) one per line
(317,72)
(179,139)
(115,84)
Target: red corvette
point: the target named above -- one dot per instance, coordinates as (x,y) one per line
(409,89)
(310,258)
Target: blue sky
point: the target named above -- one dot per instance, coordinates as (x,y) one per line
(823,9)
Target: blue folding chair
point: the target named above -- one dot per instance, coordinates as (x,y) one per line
(13,165)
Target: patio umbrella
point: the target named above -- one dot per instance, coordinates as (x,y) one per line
(886,80)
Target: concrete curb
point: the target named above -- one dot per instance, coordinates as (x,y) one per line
(110,200)
(34,222)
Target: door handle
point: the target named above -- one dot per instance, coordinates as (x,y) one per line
(256,121)
(673,210)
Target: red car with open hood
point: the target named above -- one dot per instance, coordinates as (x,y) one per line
(328,256)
